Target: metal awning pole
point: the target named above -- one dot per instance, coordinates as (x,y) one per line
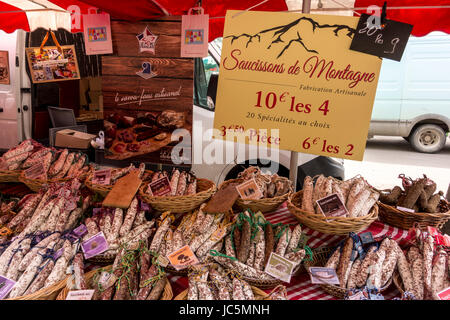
(293,169)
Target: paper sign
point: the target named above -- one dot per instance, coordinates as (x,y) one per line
(80,295)
(249,190)
(405,209)
(162,261)
(80,231)
(323,275)
(387,41)
(444,294)
(373,296)
(37,171)
(107,280)
(332,206)
(280,267)
(95,245)
(289,81)
(182,258)
(102,177)
(357,296)
(160,187)
(6,286)
(366,237)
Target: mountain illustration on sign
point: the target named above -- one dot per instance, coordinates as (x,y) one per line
(182,258)
(291,33)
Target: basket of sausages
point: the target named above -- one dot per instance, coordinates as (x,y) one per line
(250,244)
(335,207)
(273,190)
(132,276)
(19,158)
(212,282)
(119,227)
(423,268)
(51,165)
(199,230)
(98,182)
(416,203)
(177,192)
(357,266)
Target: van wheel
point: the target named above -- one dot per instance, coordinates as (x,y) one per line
(428,138)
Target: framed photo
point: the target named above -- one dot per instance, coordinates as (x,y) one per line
(4,67)
(52,65)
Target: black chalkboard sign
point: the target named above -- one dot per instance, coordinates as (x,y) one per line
(386,41)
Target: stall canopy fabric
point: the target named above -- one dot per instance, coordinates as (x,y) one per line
(32,14)
(420,15)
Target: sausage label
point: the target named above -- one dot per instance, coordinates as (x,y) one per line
(95,245)
(182,258)
(332,206)
(279,267)
(249,190)
(102,177)
(323,275)
(80,295)
(160,187)
(6,286)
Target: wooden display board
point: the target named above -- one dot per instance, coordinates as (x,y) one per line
(146,81)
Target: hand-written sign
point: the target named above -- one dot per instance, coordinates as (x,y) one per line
(289,81)
(386,41)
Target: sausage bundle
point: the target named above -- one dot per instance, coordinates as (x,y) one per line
(370,267)
(424,269)
(120,226)
(251,242)
(356,194)
(181,183)
(57,163)
(134,276)
(419,195)
(271,185)
(201,231)
(212,282)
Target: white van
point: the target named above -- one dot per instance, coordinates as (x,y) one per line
(413,95)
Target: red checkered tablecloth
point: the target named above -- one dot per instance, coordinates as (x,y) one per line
(300,287)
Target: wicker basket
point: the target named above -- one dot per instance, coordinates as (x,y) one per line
(334,225)
(320,258)
(89,277)
(406,220)
(37,184)
(103,190)
(259,294)
(10,175)
(180,204)
(264,205)
(49,293)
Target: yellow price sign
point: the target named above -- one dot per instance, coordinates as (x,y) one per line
(291,82)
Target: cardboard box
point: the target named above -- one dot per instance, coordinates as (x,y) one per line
(73,139)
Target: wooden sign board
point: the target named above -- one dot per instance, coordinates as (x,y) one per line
(51,65)
(291,82)
(123,191)
(147,90)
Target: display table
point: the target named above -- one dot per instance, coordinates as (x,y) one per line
(300,287)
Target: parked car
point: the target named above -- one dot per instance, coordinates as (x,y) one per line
(413,95)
